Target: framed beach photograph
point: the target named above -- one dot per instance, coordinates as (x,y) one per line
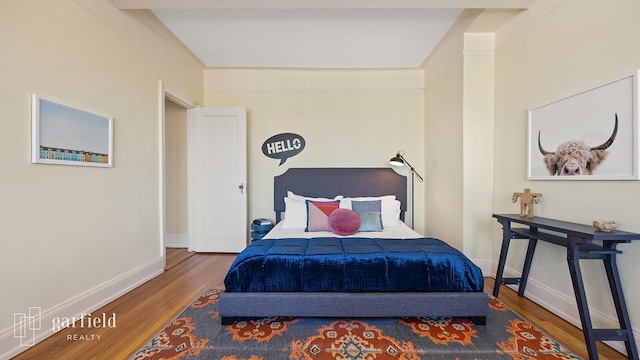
(591,135)
(65,135)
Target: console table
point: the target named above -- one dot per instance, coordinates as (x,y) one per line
(578,239)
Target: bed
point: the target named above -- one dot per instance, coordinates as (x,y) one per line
(296,273)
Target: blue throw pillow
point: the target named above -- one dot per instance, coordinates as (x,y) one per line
(370,221)
(372,207)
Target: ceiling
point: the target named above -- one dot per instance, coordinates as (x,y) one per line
(312,33)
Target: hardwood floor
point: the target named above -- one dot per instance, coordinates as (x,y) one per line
(177,255)
(144,311)
(140,313)
(552,325)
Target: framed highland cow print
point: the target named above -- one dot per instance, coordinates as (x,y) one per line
(591,135)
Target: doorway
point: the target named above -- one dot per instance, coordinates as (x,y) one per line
(199,187)
(173,175)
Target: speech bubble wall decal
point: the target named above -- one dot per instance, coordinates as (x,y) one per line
(283,146)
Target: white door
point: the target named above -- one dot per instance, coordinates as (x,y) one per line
(217,191)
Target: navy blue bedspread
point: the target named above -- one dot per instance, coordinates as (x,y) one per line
(352,265)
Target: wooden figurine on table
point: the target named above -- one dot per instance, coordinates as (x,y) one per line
(527,198)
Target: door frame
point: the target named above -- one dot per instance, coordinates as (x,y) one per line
(167,92)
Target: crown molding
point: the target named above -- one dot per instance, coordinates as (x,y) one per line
(274,79)
(143,28)
(524,20)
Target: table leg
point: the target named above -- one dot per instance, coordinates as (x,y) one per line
(619,302)
(527,265)
(573,260)
(506,239)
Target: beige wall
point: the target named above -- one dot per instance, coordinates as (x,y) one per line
(477,139)
(348,118)
(579,44)
(75,237)
(541,55)
(175,169)
(444,155)
(459,140)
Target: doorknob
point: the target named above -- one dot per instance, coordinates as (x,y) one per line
(241,187)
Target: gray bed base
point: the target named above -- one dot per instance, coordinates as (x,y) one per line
(473,305)
(352,182)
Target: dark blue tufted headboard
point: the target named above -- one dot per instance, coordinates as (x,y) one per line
(330,182)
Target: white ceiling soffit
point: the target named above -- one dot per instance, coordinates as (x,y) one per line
(312,33)
(326,38)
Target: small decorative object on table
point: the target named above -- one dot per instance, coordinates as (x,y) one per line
(605,226)
(259,227)
(527,198)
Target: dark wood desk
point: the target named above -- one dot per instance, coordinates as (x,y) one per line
(578,239)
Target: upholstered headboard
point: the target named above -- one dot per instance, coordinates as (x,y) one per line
(330,182)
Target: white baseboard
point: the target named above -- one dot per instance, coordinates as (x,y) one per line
(176,241)
(567,308)
(485,266)
(83,303)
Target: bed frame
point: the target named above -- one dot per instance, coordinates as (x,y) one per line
(350,182)
(331,182)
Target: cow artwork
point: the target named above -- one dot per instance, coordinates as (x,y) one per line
(575,157)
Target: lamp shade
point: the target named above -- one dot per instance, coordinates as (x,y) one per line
(396,161)
(399,160)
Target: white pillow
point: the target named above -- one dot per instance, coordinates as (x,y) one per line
(390,208)
(291,195)
(390,213)
(295,214)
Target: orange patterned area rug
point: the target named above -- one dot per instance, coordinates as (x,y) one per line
(197,334)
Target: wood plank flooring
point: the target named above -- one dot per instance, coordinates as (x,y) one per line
(144,311)
(140,314)
(176,255)
(552,325)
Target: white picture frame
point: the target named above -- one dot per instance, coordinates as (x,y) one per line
(66,135)
(588,117)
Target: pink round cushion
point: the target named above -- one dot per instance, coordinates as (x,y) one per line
(344,222)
